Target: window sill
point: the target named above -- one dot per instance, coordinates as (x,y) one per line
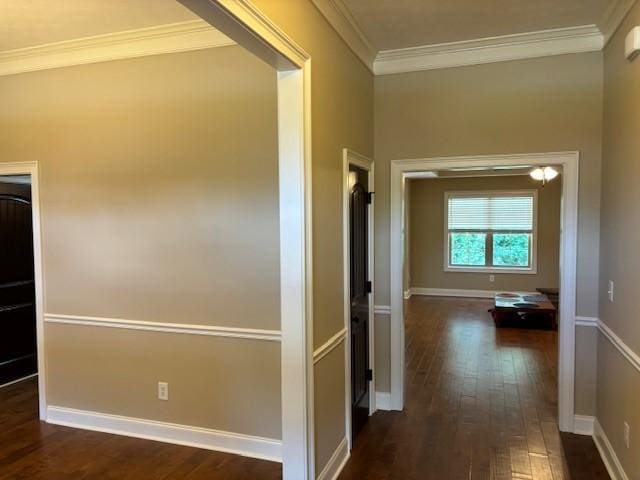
(492,270)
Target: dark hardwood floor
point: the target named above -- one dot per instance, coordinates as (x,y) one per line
(30,449)
(481,404)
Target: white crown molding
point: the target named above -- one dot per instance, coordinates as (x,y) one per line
(170,38)
(544,43)
(614,16)
(239,444)
(340,18)
(329,345)
(178,328)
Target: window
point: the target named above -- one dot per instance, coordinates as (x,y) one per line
(491,231)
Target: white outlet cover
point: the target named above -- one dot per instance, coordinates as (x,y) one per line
(632,43)
(163,391)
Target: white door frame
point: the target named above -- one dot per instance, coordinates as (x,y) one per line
(568,259)
(250,28)
(349,157)
(31,169)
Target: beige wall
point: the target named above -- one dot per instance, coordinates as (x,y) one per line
(428,241)
(149,185)
(618,382)
(342,116)
(101,127)
(539,105)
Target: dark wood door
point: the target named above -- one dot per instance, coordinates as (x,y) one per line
(17,291)
(360,289)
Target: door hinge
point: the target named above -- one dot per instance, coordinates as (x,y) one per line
(369,287)
(369,374)
(370,197)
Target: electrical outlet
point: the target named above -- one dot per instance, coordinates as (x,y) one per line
(627,434)
(610,291)
(163,391)
(492,278)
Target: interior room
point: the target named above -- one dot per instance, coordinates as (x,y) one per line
(319,239)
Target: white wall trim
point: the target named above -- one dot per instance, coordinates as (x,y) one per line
(407,294)
(587,38)
(608,454)
(336,463)
(583,424)
(141,42)
(340,18)
(240,444)
(614,16)
(31,169)
(329,346)
(382,310)
(622,347)
(454,292)
(587,322)
(383,400)
(188,329)
(568,260)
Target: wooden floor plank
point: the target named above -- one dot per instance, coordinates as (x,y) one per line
(481,404)
(33,450)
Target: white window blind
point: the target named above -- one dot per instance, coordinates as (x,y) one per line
(491,212)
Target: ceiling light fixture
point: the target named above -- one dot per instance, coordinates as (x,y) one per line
(544,174)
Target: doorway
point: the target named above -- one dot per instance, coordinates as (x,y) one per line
(358,216)
(360,287)
(18,345)
(568,245)
(21,301)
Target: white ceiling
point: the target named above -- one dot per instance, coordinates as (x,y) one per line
(393,24)
(26,23)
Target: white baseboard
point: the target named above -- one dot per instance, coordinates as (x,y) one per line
(454,292)
(407,294)
(336,463)
(245,445)
(383,400)
(583,424)
(608,454)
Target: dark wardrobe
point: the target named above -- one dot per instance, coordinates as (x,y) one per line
(17,290)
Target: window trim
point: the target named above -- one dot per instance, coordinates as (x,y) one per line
(531,270)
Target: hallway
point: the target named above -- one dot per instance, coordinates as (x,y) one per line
(481,404)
